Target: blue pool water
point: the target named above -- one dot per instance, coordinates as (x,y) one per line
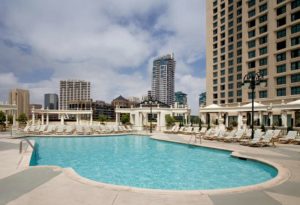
(139,161)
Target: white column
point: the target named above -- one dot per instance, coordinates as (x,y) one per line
(91,119)
(77,119)
(240,121)
(158,122)
(62,119)
(261,118)
(14,118)
(227,124)
(202,118)
(117,118)
(271,119)
(284,118)
(33,118)
(47,119)
(185,118)
(42,118)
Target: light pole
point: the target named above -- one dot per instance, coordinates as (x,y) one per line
(150,103)
(252,80)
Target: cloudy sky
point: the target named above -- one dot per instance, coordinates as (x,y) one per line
(111,43)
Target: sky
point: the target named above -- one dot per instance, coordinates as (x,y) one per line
(111,43)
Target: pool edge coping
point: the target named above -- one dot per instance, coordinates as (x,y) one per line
(283,174)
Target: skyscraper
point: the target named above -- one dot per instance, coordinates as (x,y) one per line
(51,101)
(73,90)
(181,98)
(252,36)
(21,98)
(163,79)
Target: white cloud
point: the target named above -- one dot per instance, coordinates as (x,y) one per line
(110,43)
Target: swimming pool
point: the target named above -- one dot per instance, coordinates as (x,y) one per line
(140,161)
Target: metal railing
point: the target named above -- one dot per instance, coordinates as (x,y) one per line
(21,145)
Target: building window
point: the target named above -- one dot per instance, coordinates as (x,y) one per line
(263,40)
(263,61)
(295,78)
(230,47)
(295,4)
(280,1)
(239,93)
(251,44)
(295,65)
(215,88)
(281,10)
(239,36)
(281,68)
(239,12)
(251,3)
(215,96)
(230,63)
(263,50)
(215,81)
(251,64)
(251,13)
(223,50)
(263,94)
(295,90)
(280,57)
(239,60)
(230,94)
(239,76)
(230,86)
(239,44)
(251,24)
(281,22)
(250,96)
(263,7)
(230,78)
(222,72)
(222,65)
(222,95)
(281,33)
(263,18)
(230,70)
(239,68)
(281,45)
(295,53)
(223,80)
(251,33)
(239,28)
(230,32)
(263,29)
(281,92)
(263,72)
(295,41)
(239,52)
(295,28)
(230,55)
(281,80)
(239,3)
(215,74)
(295,16)
(239,20)
(251,54)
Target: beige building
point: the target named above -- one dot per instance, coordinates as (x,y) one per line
(253,36)
(21,98)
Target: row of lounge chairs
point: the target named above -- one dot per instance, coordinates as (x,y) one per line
(75,129)
(241,136)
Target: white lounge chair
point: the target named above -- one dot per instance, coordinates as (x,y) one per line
(79,129)
(171,130)
(87,130)
(69,129)
(291,136)
(257,137)
(26,129)
(60,129)
(50,129)
(188,131)
(42,129)
(265,139)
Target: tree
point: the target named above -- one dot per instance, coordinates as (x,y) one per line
(170,121)
(102,118)
(2,120)
(22,118)
(125,118)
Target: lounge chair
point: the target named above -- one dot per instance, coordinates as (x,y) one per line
(129,128)
(181,130)
(79,129)
(26,129)
(214,134)
(230,134)
(291,136)
(265,139)
(236,137)
(60,129)
(296,140)
(69,130)
(42,129)
(257,137)
(31,129)
(87,130)
(50,129)
(188,131)
(208,133)
(171,130)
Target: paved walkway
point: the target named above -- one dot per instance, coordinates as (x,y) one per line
(51,185)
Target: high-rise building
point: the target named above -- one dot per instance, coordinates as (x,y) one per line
(163,79)
(21,98)
(252,36)
(181,98)
(202,99)
(51,101)
(73,90)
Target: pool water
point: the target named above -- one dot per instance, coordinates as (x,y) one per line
(140,161)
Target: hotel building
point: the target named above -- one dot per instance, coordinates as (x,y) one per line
(163,75)
(72,91)
(20,98)
(253,36)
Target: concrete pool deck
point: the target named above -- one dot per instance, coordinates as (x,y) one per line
(52,185)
